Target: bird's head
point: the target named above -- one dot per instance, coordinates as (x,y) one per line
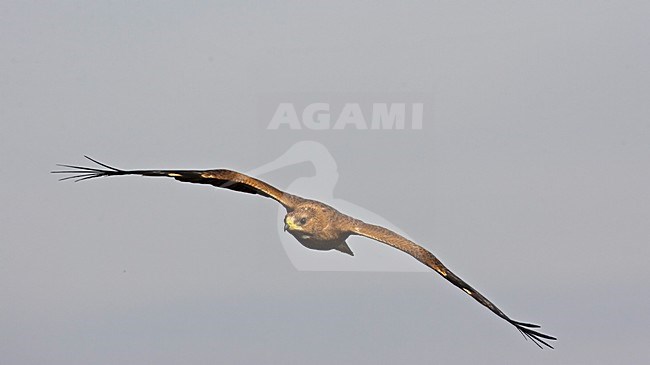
(301,221)
(309,220)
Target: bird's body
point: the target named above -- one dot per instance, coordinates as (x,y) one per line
(318,226)
(314,224)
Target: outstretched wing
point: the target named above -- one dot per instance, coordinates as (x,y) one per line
(221,178)
(393,239)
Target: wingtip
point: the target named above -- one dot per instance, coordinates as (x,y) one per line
(526,330)
(81,173)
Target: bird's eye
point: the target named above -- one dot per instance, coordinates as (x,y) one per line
(303,220)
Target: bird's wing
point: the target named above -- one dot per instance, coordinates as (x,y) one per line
(393,239)
(227,179)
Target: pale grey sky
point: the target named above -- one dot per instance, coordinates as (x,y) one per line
(529,179)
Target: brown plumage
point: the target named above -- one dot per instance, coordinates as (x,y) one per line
(314,224)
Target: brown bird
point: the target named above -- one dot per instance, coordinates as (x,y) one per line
(314,224)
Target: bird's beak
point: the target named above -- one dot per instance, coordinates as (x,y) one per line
(289,224)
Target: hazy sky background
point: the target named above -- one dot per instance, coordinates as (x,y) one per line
(529,179)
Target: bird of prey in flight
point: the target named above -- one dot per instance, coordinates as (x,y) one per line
(314,224)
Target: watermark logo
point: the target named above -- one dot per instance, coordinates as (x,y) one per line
(324,116)
(369,255)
